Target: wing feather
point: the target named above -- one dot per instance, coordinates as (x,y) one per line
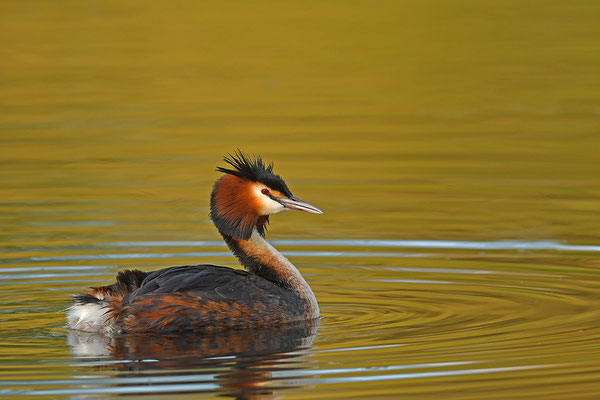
(205,297)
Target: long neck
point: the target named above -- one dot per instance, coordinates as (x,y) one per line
(262,259)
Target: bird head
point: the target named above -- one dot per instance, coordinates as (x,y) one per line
(247,194)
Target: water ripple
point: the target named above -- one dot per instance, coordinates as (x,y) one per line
(450,314)
(425,244)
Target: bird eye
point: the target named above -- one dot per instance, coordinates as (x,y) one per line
(265,191)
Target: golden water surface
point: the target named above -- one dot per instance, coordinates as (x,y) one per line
(454,147)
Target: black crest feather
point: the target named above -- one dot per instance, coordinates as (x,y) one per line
(254,169)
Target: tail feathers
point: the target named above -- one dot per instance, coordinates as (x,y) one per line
(89,298)
(91,312)
(127,281)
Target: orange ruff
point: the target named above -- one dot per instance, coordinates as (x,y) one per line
(235,202)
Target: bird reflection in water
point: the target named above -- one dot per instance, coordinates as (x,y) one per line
(238,363)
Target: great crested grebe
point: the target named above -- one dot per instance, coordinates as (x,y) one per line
(209,297)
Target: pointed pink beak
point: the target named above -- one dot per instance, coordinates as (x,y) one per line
(293,203)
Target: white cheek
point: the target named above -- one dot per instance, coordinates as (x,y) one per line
(268,206)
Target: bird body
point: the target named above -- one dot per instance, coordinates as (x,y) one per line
(271,291)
